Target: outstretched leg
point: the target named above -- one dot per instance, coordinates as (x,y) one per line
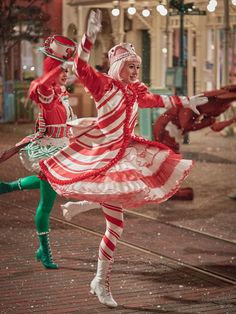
(114,228)
(47,200)
(71,209)
(27,183)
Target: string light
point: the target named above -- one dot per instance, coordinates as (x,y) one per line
(212,5)
(131,10)
(115,11)
(161,9)
(145,12)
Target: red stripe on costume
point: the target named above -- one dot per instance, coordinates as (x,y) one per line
(176,101)
(121,176)
(115,109)
(112,207)
(86,43)
(108,243)
(93,151)
(113,220)
(113,144)
(71,170)
(104,253)
(105,123)
(108,132)
(116,235)
(104,102)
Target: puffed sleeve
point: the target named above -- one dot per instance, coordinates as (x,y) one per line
(96,82)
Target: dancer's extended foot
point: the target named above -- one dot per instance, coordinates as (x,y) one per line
(71,209)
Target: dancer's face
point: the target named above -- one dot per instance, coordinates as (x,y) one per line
(130,72)
(62,77)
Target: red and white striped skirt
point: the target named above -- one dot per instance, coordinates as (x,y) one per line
(145,174)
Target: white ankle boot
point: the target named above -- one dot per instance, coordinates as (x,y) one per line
(71,209)
(100,284)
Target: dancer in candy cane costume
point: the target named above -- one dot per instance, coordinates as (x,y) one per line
(49,93)
(109,164)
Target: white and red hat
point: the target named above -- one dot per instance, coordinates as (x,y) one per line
(121,51)
(118,55)
(59,47)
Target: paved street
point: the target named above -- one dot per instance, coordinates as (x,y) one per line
(177,257)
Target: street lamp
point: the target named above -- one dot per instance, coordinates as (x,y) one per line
(181,9)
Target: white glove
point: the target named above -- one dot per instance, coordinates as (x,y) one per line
(94,24)
(195,101)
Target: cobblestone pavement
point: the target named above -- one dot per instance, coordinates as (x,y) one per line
(177,257)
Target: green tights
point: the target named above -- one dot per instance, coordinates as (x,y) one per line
(27,183)
(46,202)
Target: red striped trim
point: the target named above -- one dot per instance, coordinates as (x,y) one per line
(104,253)
(116,235)
(57,132)
(113,220)
(112,207)
(109,243)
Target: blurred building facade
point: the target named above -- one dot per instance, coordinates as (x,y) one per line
(209,40)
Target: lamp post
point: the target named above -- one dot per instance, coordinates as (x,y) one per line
(181,9)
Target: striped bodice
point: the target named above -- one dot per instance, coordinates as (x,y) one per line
(57,131)
(113,117)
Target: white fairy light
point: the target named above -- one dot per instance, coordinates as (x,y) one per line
(213,2)
(145,12)
(131,10)
(115,12)
(211,7)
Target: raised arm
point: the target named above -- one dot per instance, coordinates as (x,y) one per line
(93,80)
(41,90)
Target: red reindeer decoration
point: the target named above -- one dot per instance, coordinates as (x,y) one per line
(173,124)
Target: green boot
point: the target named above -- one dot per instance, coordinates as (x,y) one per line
(10,187)
(44,253)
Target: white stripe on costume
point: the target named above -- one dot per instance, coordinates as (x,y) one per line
(114,228)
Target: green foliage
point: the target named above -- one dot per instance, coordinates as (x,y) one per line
(22,20)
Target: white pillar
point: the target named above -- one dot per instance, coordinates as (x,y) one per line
(190,78)
(156,54)
(201,55)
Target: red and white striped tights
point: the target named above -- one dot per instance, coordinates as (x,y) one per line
(114,227)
